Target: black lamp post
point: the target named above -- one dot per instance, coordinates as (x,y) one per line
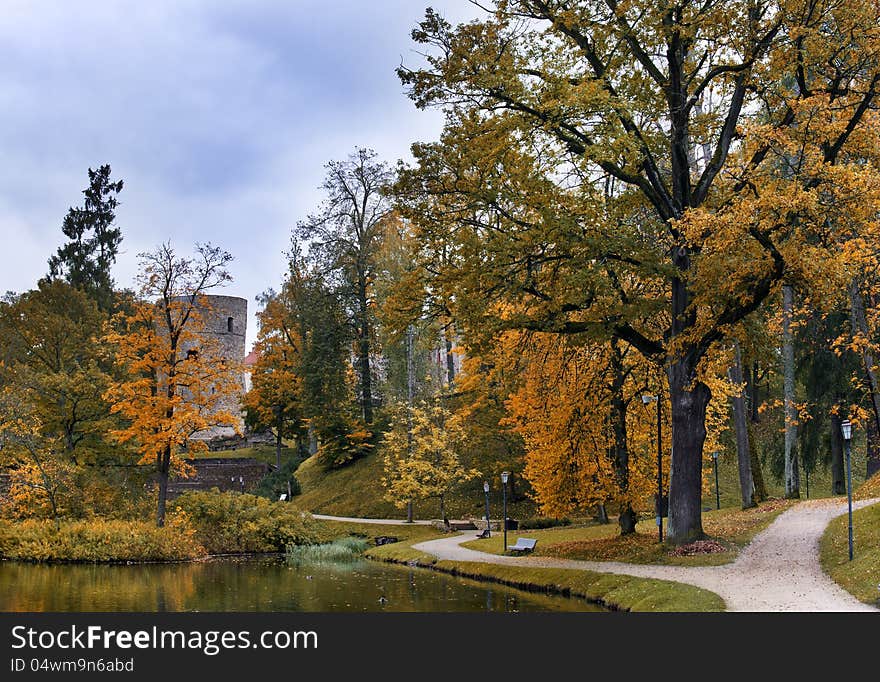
(504,476)
(846,430)
(717,494)
(645,400)
(486,490)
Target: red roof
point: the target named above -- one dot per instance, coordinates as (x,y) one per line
(251,359)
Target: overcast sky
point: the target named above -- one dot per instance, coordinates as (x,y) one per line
(219,117)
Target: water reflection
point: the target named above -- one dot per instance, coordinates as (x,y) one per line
(264,584)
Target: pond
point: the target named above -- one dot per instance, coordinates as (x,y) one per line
(258,584)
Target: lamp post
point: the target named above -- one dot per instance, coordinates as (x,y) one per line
(717,494)
(504,476)
(486,490)
(645,400)
(846,430)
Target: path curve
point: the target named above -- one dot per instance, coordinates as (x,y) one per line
(383,522)
(778,571)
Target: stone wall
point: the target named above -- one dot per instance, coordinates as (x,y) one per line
(221,472)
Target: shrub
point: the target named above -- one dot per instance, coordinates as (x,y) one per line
(238,522)
(273,484)
(98,540)
(542,522)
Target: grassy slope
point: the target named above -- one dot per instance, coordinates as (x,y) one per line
(861,576)
(356,490)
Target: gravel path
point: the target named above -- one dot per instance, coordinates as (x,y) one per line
(385,522)
(778,571)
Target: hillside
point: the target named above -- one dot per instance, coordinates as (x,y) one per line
(356,490)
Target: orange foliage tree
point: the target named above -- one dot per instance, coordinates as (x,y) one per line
(177,380)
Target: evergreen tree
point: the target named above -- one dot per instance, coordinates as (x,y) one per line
(86,259)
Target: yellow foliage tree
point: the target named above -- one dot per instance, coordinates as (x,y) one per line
(422,455)
(177,380)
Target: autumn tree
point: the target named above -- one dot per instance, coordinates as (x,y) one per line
(422,454)
(733,136)
(275,400)
(344,237)
(177,379)
(86,259)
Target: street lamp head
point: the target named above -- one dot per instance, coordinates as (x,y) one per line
(715,455)
(504,476)
(846,429)
(485,486)
(648,399)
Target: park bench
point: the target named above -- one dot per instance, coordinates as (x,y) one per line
(523,545)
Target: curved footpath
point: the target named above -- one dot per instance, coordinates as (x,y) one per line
(778,571)
(384,522)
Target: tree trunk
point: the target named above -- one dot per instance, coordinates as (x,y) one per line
(409,512)
(838,476)
(450,360)
(689,398)
(601,514)
(740,422)
(442,506)
(627,518)
(164,469)
(873,450)
(313,440)
(278,440)
(757,474)
(364,354)
(859,324)
(792,488)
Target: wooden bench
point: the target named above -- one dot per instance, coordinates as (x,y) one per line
(523,545)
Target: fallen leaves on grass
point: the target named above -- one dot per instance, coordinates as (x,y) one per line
(698,547)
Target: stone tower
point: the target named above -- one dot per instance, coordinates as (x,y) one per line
(225,320)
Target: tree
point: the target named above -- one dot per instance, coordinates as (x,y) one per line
(345,237)
(275,400)
(548,101)
(85,260)
(422,455)
(53,362)
(176,377)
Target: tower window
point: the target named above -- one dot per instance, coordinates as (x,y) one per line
(229,324)
(192,354)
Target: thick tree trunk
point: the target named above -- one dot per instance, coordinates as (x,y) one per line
(792,487)
(859,323)
(601,514)
(740,422)
(690,398)
(838,476)
(313,440)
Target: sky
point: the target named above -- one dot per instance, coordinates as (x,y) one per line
(218,116)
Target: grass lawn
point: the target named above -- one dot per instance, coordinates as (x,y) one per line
(861,576)
(732,528)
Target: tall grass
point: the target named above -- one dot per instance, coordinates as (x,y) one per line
(342,550)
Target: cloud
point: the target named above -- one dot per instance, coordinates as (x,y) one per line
(219,117)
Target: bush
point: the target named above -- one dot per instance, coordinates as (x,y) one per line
(273,484)
(238,522)
(542,522)
(98,540)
